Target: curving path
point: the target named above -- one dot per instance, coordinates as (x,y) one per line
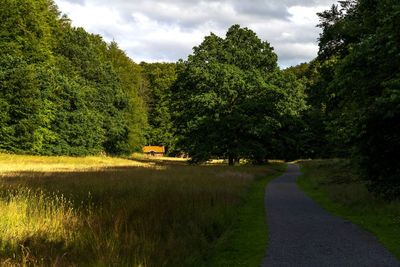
(301,233)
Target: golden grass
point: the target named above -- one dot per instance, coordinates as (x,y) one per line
(96,215)
(10,163)
(144,157)
(26,212)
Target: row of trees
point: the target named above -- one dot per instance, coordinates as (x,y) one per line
(353,90)
(65,91)
(159,78)
(360,44)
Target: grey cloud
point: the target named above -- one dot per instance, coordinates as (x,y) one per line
(264,9)
(157,51)
(80,2)
(201,11)
(270,19)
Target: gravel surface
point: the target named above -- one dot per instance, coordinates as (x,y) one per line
(301,233)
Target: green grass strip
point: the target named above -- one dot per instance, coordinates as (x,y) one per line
(245,243)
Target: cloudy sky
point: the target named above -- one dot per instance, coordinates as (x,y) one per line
(166,30)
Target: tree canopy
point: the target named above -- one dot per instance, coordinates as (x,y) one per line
(230,99)
(64,91)
(159,77)
(355,92)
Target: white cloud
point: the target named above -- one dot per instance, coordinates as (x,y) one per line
(162,30)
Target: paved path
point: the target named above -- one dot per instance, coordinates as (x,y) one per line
(301,233)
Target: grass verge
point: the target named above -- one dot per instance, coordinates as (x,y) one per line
(245,242)
(335,185)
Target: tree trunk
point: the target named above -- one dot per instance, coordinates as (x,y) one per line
(231,160)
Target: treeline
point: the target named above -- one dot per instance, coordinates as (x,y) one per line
(64,91)
(353,89)
(232,101)
(159,78)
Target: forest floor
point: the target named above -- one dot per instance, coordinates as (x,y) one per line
(336,186)
(62,211)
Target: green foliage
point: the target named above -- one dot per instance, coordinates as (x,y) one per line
(230,98)
(76,122)
(131,81)
(158,79)
(312,135)
(25,58)
(63,90)
(362,39)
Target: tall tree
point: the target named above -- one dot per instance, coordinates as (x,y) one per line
(131,80)
(365,86)
(63,90)
(158,78)
(26,68)
(230,96)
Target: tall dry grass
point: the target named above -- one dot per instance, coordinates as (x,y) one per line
(10,163)
(126,216)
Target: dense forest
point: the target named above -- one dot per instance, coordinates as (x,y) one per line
(65,91)
(353,90)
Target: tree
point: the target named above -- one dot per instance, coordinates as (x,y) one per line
(25,59)
(115,98)
(230,97)
(158,79)
(131,81)
(64,91)
(365,85)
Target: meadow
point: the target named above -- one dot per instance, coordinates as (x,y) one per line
(337,187)
(99,211)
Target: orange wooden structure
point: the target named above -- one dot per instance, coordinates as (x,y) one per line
(154,150)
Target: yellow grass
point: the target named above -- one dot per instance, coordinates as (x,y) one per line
(10,163)
(144,157)
(27,212)
(99,211)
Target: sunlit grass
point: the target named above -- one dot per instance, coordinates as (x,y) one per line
(32,218)
(26,212)
(122,216)
(19,163)
(149,158)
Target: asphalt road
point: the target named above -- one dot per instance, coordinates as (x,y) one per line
(301,233)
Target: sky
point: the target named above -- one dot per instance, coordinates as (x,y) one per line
(167,30)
